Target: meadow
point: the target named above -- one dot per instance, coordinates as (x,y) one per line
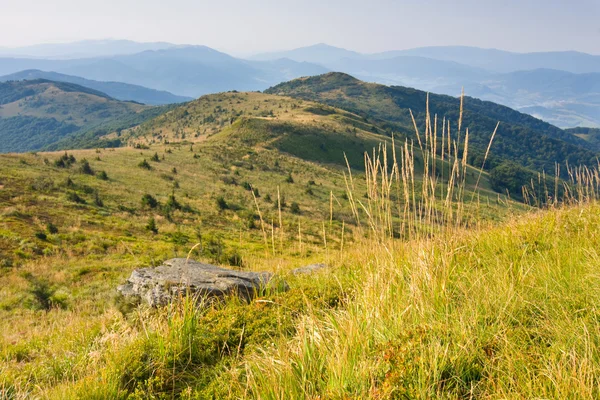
(437,287)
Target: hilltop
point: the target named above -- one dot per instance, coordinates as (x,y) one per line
(118,90)
(39,113)
(390,106)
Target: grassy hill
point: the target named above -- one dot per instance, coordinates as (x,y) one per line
(438,313)
(436,286)
(118,90)
(308,130)
(591,135)
(39,113)
(389,106)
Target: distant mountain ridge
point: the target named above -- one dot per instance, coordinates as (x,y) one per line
(117,90)
(189,71)
(83,49)
(39,114)
(558,87)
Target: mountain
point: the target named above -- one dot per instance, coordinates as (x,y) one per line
(187,70)
(308,130)
(321,54)
(39,113)
(83,49)
(503,61)
(591,135)
(530,82)
(117,90)
(389,106)
(423,73)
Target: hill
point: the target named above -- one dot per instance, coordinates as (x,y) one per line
(39,113)
(69,234)
(117,90)
(189,71)
(309,130)
(591,135)
(390,106)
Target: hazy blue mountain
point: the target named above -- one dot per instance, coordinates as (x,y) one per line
(423,73)
(321,54)
(562,98)
(117,90)
(188,71)
(503,61)
(83,49)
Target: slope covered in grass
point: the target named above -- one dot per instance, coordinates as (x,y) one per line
(391,105)
(39,113)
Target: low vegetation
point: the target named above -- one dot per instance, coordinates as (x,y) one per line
(436,286)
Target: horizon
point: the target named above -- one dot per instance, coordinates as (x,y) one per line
(277,50)
(265,26)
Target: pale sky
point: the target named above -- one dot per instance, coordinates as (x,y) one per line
(251,26)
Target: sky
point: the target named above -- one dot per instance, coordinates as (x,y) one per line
(243,27)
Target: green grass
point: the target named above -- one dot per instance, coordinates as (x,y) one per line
(432,292)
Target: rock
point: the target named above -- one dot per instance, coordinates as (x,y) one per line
(161,285)
(309,269)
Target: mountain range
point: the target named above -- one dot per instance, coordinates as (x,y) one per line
(117,90)
(558,87)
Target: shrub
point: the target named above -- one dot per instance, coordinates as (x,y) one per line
(102,175)
(149,201)
(51,228)
(172,203)
(75,198)
(289,178)
(98,201)
(144,164)
(155,158)
(221,203)
(65,161)
(86,168)
(295,208)
(41,235)
(151,225)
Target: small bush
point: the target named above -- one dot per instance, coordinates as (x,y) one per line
(221,203)
(75,198)
(149,201)
(51,228)
(102,175)
(86,168)
(155,158)
(289,178)
(295,208)
(98,201)
(151,225)
(41,235)
(145,165)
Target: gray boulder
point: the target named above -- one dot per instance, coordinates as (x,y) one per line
(161,285)
(309,269)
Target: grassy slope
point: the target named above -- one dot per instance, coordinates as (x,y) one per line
(427,316)
(491,312)
(97,246)
(59,108)
(390,106)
